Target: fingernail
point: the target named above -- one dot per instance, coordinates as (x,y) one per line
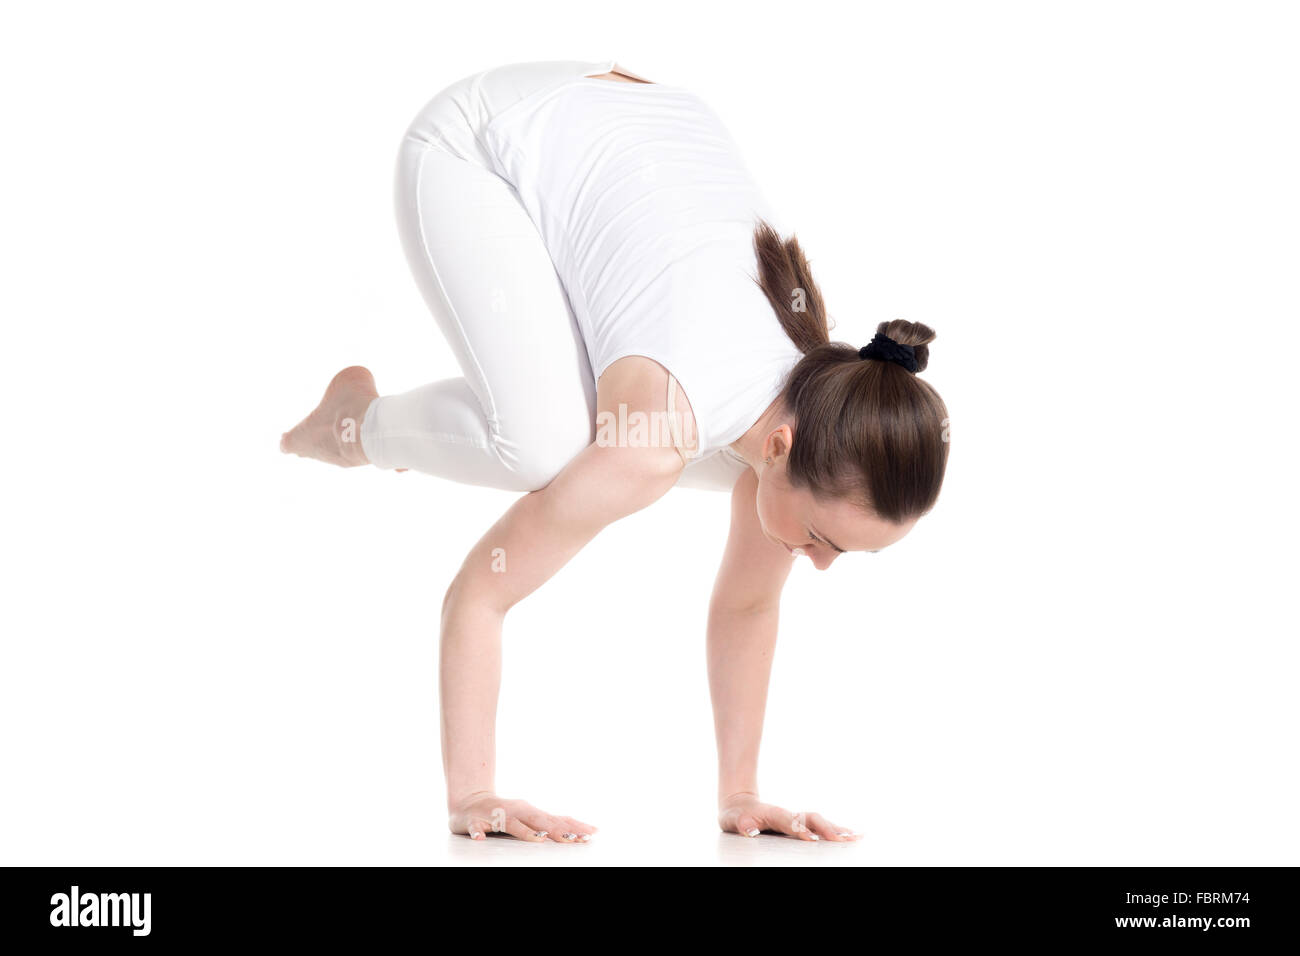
(584,838)
(475,835)
(539,834)
(752,831)
(567,836)
(814,836)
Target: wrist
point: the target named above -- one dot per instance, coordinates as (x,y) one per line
(729,796)
(736,775)
(459,799)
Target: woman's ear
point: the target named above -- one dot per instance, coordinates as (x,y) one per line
(778,442)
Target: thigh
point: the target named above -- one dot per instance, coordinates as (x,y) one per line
(489,281)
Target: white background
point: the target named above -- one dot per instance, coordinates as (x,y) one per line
(215,654)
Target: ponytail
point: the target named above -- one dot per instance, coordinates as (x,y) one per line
(786,280)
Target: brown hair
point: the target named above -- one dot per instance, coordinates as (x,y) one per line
(866,429)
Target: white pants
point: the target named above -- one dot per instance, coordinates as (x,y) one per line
(526,404)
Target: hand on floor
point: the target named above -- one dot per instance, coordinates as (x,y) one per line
(482,813)
(745,814)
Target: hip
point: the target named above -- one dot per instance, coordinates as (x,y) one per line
(456,118)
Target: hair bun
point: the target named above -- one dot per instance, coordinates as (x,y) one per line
(910,333)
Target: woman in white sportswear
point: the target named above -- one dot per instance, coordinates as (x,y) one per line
(627,319)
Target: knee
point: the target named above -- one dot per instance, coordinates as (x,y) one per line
(535,474)
(534,463)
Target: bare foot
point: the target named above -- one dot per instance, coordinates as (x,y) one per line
(332,433)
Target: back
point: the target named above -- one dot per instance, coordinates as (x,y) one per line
(648,212)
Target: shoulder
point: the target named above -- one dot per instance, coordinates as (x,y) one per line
(633,396)
(639,384)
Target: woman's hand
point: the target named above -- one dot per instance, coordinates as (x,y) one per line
(745,814)
(482,813)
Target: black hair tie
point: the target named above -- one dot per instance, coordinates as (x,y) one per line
(887,350)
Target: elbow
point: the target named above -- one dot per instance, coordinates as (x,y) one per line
(466,595)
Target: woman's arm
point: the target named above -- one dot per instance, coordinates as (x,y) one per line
(534,539)
(743,616)
(742,630)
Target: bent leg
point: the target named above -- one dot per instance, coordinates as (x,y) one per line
(526,404)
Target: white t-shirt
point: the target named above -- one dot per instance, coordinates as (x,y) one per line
(648,212)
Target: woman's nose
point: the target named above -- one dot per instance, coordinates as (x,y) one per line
(822,562)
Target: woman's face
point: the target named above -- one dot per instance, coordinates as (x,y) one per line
(794,519)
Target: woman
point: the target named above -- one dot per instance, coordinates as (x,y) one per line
(602,264)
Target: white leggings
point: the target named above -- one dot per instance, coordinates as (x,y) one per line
(526,404)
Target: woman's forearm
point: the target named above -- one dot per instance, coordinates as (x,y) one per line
(469,682)
(740,649)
